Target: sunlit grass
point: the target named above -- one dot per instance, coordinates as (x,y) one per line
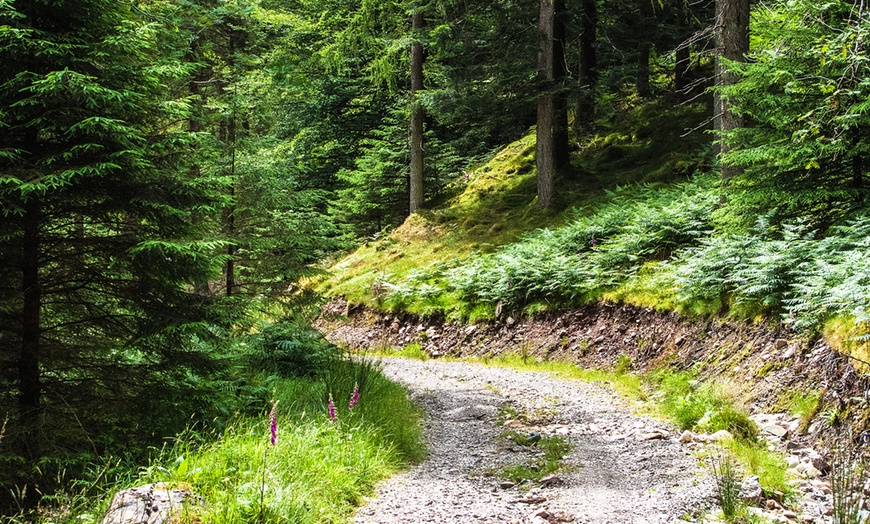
(318,471)
(769,466)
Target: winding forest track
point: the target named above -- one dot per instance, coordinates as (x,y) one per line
(622,468)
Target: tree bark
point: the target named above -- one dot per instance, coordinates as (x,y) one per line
(732,43)
(416,131)
(643,52)
(644,49)
(683,61)
(552,122)
(30,380)
(587,76)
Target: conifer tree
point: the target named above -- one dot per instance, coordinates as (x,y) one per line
(96,245)
(805,91)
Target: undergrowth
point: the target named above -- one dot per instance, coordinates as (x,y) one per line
(489,252)
(319,467)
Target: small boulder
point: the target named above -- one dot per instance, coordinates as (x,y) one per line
(552,480)
(687,437)
(807,470)
(776,430)
(149,504)
(750,489)
(720,436)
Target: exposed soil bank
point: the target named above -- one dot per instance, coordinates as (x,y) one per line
(766,364)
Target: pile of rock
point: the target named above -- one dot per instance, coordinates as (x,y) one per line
(807,467)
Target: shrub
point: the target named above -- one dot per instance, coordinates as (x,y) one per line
(289,346)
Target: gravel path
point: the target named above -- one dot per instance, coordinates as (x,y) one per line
(622,468)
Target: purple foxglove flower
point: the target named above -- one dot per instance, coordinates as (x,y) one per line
(593,240)
(331,408)
(273,422)
(354,398)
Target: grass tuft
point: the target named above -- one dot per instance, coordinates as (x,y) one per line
(727,484)
(547,461)
(849,476)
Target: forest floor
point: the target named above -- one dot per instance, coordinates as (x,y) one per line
(621,468)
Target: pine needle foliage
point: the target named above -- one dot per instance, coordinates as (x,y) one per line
(99,248)
(805,90)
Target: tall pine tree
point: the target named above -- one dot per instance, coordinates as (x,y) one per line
(96,245)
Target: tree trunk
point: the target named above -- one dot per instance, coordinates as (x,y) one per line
(560,100)
(30,385)
(552,122)
(683,61)
(584,103)
(545,155)
(732,43)
(643,49)
(416,179)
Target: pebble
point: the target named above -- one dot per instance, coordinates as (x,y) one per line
(607,480)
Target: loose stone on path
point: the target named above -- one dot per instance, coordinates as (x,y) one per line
(622,468)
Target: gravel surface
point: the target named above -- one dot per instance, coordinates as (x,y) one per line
(622,468)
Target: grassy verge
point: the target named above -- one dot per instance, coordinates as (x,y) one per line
(317,471)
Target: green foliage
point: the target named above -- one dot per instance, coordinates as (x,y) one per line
(805,406)
(548,460)
(291,347)
(597,250)
(701,407)
(769,466)
(318,470)
(805,91)
(374,195)
(102,309)
(727,484)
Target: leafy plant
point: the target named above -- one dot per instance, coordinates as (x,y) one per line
(805,406)
(769,466)
(546,462)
